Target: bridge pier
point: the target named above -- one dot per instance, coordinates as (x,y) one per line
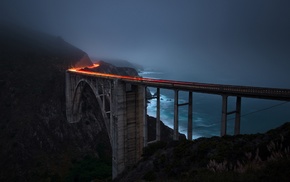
(158,127)
(238,116)
(189,127)
(145,125)
(176,115)
(225,113)
(176,106)
(129,125)
(175,127)
(158,116)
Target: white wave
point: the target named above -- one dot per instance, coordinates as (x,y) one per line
(150,72)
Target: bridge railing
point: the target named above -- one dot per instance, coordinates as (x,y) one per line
(221,89)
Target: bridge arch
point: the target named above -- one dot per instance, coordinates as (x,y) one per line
(100,96)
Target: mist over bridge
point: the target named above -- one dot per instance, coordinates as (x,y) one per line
(123,102)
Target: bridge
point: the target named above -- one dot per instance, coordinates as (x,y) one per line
(123,106)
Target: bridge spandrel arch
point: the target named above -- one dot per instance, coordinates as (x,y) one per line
(101,94)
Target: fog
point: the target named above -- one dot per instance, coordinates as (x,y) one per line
(224,41)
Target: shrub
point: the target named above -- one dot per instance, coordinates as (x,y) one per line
(153,147)
(149,176)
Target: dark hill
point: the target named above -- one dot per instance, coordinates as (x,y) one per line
(36,141)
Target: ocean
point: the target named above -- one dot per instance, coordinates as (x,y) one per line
(257,115)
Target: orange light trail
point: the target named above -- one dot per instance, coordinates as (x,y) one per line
(130,78)
(79,70)
(95,65)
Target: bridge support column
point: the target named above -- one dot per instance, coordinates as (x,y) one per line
(224,115)
(128,140)
(238,116)
(145,126)
(189,127)
(158,116)
(175,128)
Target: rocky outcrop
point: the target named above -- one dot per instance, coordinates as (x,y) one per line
(166,132)
(83,62)
(121,63)
(105,67)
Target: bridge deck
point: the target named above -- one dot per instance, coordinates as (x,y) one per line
(220,89)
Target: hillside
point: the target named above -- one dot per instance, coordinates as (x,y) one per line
(256,157)
(36,141)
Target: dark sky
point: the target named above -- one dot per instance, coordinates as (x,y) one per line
(227,41)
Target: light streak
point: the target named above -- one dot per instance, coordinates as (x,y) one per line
(95,65)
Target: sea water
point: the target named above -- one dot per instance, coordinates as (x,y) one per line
(258,115)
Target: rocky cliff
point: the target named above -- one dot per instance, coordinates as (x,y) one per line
(36,141)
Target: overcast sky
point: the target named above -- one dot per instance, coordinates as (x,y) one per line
(228,41)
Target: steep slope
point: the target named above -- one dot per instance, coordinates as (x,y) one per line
(36,141)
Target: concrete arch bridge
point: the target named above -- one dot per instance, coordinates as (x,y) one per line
(123,107)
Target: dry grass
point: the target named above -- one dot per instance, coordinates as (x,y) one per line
(253,161)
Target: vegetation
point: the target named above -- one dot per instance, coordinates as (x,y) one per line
(257,157)
(150,176)
(90,168)
(152,148)
(274,168)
